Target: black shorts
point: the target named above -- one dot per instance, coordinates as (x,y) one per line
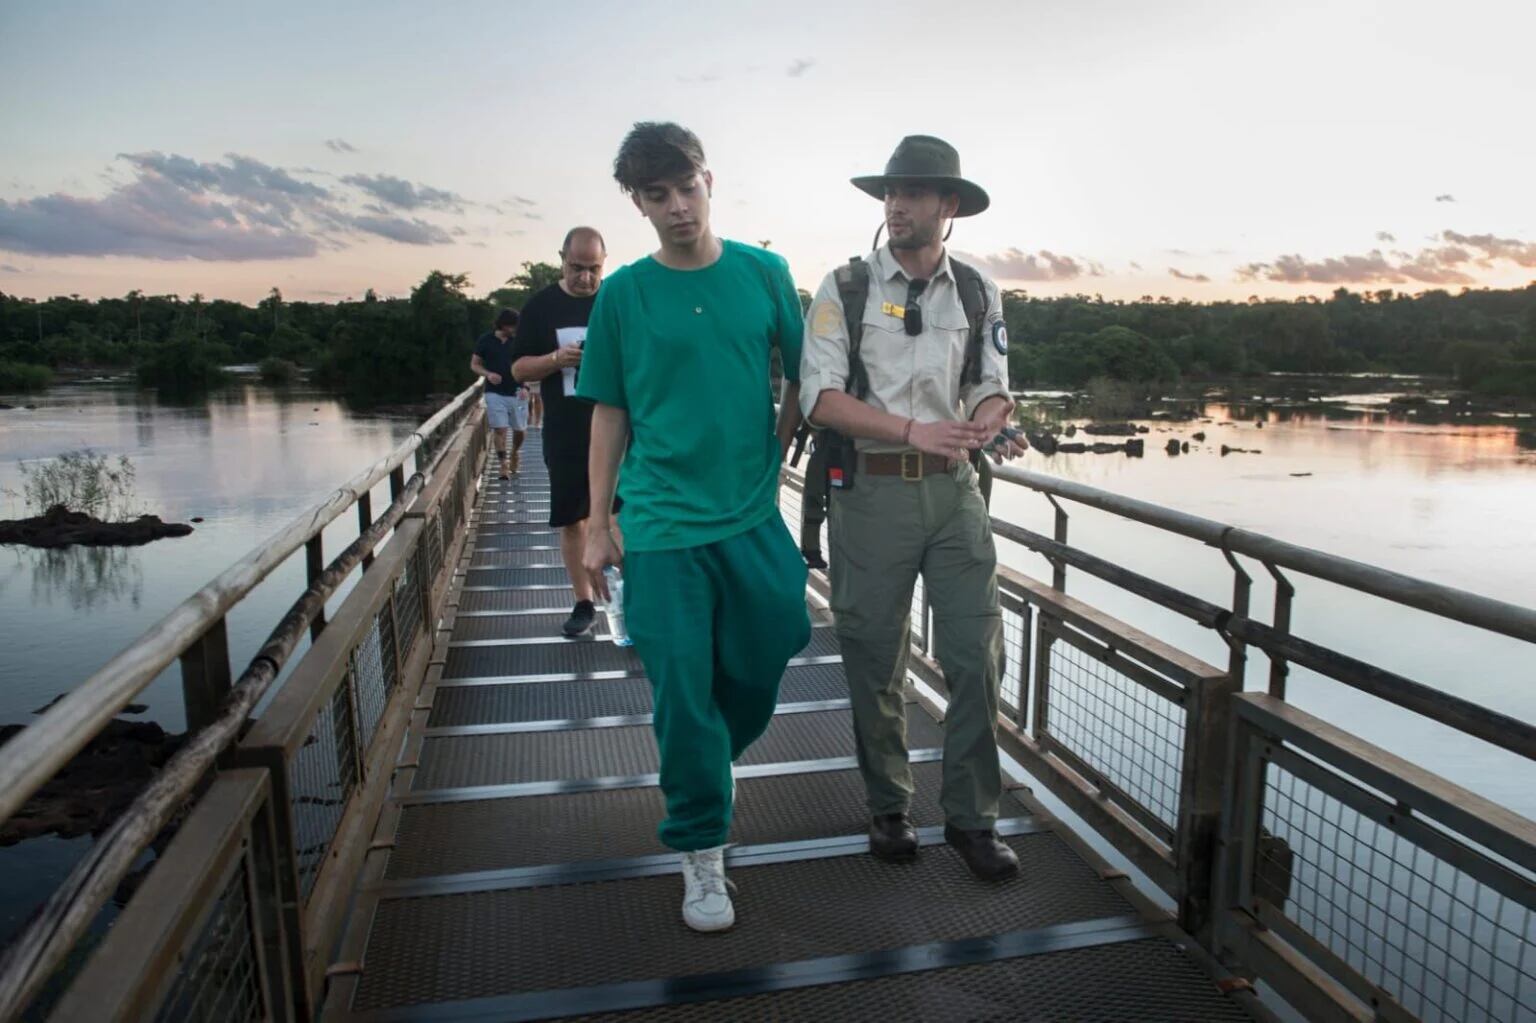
(570,494)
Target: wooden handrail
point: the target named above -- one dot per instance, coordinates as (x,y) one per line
(37,753)
(1446,601)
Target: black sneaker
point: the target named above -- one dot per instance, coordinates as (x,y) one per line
(581,619)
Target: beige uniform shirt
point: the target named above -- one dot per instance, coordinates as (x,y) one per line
(913,377)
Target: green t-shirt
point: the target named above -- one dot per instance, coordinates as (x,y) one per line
(686,353)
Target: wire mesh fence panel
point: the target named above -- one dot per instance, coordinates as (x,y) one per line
(407,603)
(321,777)
(1015,685)
(433,538)
(1132,736)
(370,682)
(1443,943)
(218,981)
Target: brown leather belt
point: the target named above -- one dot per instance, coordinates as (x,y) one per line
(909,465)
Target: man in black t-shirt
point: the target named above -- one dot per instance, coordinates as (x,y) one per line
(548,350)
(506,400)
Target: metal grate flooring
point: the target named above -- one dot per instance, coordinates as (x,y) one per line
(518,874)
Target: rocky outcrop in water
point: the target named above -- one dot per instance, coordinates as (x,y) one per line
(96,785)
(60,527)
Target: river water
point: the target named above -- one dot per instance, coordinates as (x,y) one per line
(1451,501)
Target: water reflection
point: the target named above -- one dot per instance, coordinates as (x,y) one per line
(86,578)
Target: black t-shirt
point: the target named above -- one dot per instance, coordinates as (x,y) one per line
(550,319)
(497,358)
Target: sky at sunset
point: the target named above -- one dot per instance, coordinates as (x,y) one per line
(1194,149)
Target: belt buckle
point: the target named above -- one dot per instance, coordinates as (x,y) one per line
(915,474)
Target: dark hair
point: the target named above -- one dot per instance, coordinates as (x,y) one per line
(654,150)
(565,246)
(506,318)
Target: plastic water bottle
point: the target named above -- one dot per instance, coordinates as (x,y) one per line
(614,609)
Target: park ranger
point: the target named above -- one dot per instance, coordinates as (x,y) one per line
(905,371)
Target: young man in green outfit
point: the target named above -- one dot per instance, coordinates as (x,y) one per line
(677,360)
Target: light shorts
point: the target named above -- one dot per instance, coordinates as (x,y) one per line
(505,410)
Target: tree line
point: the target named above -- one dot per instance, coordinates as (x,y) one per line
(381,350)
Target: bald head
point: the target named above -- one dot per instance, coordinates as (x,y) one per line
(581,261)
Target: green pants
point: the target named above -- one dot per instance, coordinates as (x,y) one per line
(883,533)
(714,627)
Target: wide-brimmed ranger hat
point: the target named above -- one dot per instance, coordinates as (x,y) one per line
(925,160)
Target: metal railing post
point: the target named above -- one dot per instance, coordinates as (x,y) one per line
(1059,567)
(1279,667)
(1204,771)
(1242,587)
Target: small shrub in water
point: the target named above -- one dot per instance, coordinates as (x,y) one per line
(81,481)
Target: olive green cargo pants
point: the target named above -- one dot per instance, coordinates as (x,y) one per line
(883,533)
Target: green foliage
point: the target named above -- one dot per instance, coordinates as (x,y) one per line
(184,367)
(24,376)
(278,371)
(521,286)
(1479,336)
(81,481)
(392,351)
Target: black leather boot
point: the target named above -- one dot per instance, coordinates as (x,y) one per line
(988,858)
(892,838)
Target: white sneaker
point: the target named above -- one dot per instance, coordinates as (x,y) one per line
(706,892)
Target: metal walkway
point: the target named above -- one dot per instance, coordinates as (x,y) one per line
(524,879)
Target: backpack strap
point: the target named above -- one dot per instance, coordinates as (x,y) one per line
(852,280)
(973,298)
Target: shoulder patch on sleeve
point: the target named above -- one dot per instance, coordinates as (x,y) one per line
(826,319)
(1000,337)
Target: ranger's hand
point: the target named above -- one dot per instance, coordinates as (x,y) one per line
(493,378)
(567,356)
(1009,443)
(948,438)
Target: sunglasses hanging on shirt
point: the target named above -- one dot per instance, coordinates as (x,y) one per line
(912,316)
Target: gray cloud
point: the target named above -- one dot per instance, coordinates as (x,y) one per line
(397,229)
(8,268)
(1447,197)
(1194,278)
(401,194)
(799,66)
(237,209)
(1385,236)
(1511,249)
(340,146)
(524,202)
(1372,268)
(1135,265)
(1442,264)
(1015,265)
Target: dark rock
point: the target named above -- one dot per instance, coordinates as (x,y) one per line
(60,527)
(96,785)
(1071,430)
(1240,451)
(1301,474)
(1184,447)
(1172,447)
(1075,447)
(4,407)
(1198,436)
(1135,447)
(197,518)
(1110,430)
(1143,429)
(1259,423)
(1042,442)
